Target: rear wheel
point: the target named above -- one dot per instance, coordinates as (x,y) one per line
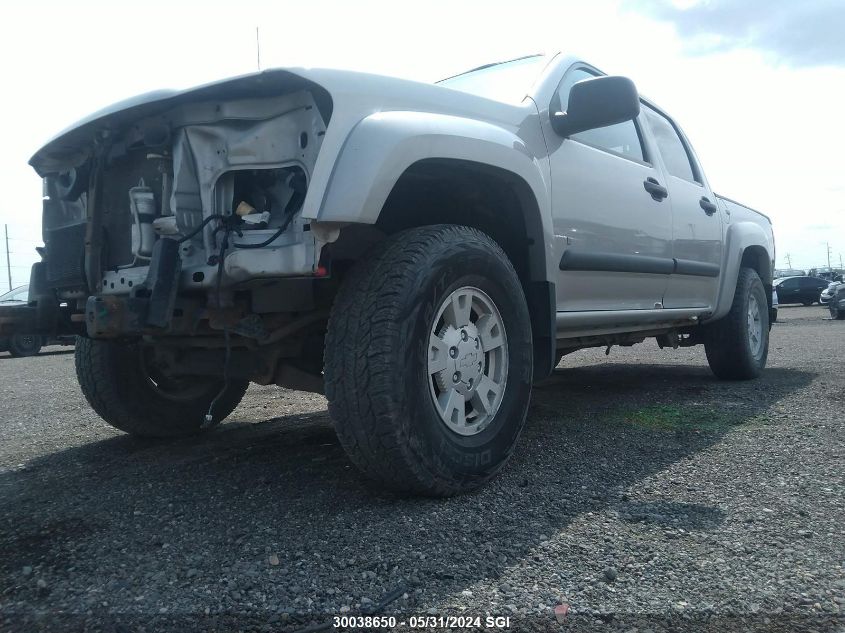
(429,361)
(836,313)
(24,345)
(131,395)
(737,345)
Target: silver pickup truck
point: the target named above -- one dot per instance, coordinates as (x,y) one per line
(419,253)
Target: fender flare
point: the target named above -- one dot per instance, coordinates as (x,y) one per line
(739,237)
(382,146)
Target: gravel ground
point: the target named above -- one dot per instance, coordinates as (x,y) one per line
(644,495)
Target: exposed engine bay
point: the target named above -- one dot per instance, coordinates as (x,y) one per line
(165,176)
(185,225)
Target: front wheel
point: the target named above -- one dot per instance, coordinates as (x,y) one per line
(737,345)
(428,361)
(126,390)
(24,345)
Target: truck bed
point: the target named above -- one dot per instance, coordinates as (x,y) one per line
(733,205)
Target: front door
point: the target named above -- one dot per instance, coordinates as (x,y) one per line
(612,235)
(789,291)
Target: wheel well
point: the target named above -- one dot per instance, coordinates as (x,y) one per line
(493,200)
(756,258)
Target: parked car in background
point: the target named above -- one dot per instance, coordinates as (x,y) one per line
(782,273)
(773,316)
(804,290)
(23,344)
(836,305)
(827,293)
(19,344)
(830,274)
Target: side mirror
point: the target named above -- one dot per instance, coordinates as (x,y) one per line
(597,102)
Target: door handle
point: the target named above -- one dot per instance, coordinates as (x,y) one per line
(657,191)
(709,207)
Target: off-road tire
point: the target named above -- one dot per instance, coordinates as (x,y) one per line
(117,386)
(376,361)
(837,314)
(726,341)
(21,345)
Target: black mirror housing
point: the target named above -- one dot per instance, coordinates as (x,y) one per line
(597,102)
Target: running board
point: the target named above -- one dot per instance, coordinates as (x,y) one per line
(575,324)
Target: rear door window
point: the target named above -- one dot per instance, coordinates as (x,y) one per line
(675,155)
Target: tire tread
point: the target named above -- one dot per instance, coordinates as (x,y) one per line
(358,363)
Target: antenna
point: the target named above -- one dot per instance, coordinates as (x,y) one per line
(257,49)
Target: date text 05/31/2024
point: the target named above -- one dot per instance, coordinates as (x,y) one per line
(421,621)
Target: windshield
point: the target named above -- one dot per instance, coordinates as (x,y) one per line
(18,294)
(506,81)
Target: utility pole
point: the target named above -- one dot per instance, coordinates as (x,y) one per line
(8,262)
(257,49)
(828,254)
(788,261)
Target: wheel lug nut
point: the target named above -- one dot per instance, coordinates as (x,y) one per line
(453,352)
(464,335)
(476,344)
(456,377)
(470,382)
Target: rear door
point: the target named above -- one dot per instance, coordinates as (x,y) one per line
(696,219)
(612,237)
(811,288)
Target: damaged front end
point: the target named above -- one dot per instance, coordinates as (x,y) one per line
(176,217)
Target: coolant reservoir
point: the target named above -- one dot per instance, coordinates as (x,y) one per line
(142,203)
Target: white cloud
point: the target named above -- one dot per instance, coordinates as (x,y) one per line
(806,33)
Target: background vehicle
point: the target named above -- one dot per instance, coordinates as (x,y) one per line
(22,343)
(830,274)
(396,244)
(780,273)
(836,305)
(775,301)
(19,344)
(827,293)
(804,290)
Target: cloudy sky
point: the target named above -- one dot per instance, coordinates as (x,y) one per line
(758,85)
